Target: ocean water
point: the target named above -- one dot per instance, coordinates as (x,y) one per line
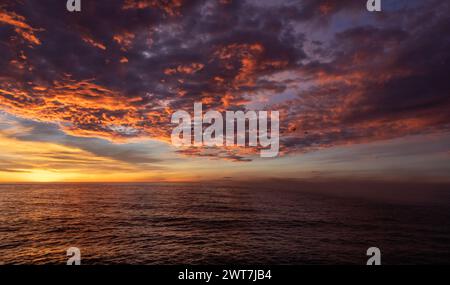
(219,224)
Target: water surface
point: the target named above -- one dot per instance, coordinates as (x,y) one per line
(215,224)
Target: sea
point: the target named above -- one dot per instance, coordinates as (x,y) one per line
(224,223)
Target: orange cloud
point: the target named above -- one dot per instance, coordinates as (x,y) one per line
(125,40)
(20,26)
(170,7)
(185,69)
(93,42)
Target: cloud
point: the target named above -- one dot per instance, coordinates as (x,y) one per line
(133,153)
(381,83)
(19,24)
(119,69)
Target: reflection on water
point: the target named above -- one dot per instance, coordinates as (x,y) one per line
(201,224)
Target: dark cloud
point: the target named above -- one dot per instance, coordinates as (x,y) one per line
(118,69)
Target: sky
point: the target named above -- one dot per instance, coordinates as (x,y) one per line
(88,96)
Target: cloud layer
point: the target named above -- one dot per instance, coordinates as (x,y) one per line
(339,74)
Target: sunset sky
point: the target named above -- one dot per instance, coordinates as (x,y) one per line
(88,96)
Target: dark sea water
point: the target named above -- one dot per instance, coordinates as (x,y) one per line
(218,224)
